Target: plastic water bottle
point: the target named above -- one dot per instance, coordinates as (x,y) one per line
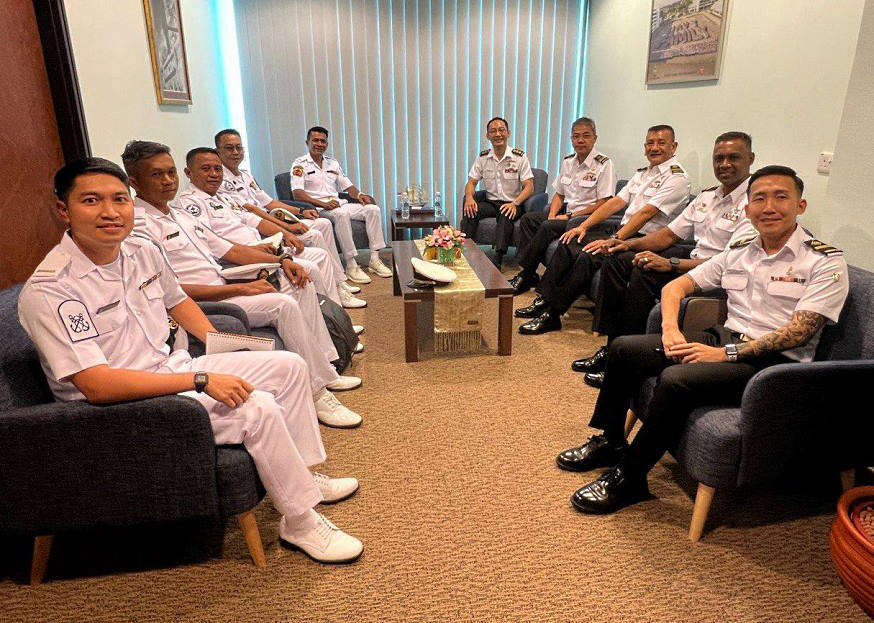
(405,208)
(438,205)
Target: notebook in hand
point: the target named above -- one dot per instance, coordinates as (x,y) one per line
(217,342)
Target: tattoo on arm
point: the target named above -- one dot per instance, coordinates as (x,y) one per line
(801,328)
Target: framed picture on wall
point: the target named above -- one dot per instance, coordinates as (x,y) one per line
(167,47)
(685,40)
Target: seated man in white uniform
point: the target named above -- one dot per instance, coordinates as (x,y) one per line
(191,249)
(233,222)
(318,179)
(96,308)
(241,189)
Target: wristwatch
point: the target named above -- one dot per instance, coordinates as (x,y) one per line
(675,264)
(731,352)
(201,380)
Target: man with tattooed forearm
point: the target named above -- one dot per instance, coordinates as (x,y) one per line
(783,286)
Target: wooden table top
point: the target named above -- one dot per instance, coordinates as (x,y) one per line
(492,279)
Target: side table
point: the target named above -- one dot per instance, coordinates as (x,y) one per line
(416,220)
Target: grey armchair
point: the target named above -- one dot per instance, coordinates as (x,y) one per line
(793,418)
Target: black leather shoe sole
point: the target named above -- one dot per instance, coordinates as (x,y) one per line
(618,503)
(595,363)
(595,380)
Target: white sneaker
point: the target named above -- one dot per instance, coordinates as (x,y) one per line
(349,289)
(358,328)
(348,300)
(343,383)
(359,348)
(324,543)
(335,489)
(355,274)
(332,413)
(379,269)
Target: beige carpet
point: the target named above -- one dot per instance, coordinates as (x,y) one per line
(466,518)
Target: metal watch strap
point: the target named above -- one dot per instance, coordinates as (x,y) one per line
(731,352)
(201,380)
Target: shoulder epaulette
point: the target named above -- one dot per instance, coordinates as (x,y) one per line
(676,168)
(822,247)
(571,156)
(642,169)
(602,158)
(51,266)
(518,151)
(711,189)
(742,242)
(484,152)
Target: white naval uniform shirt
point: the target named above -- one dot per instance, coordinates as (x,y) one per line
(190,247)
(502,178)
(583,184)
(665,187)
(322,183)
(714,220)
(764,291)
(82,315)
(242,189)
(221,213)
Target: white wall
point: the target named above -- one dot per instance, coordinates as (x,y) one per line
(111,50)
(785,73)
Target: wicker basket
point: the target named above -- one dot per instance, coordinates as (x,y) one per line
(852,548)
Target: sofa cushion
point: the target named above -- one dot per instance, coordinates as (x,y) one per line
(22,382)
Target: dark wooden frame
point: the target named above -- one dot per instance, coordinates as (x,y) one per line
(60,65)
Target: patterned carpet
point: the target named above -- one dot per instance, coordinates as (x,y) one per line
(465,518)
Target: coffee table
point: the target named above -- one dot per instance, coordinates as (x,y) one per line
(492,279)
(424,219)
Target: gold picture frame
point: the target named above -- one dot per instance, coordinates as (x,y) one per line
(167,49)
(686,38)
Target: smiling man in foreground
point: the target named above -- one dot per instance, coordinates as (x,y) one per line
(783,286)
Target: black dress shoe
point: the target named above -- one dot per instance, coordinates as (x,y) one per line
(524,282)
(534,310)
(596,452)
(595,363)
(594,379)
(613,490)
(545,322)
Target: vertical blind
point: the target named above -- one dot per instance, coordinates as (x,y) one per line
(405,88)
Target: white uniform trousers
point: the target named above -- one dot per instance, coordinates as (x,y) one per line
(321,235)
(277,424)
(318,264)
(297,317)
(342,218)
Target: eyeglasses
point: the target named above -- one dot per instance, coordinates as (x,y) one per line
(233,148)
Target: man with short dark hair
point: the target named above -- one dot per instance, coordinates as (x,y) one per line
(653,196)
(96,308)
(585,181)
(319,179)
(783,286)
(508,182)
(240,187)
(633,273)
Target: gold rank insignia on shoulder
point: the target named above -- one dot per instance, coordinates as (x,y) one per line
(822,247)
(742,242)
(484,152)
(253,184)
(571,156)
(518,151)
(602,158)
(676,168)
(711,189)
(297,171)
(150,280)
(642,169)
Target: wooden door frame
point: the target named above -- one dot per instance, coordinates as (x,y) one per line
(51,19)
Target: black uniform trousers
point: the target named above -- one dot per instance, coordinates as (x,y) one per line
(626,294)
(679,390)
(486,208)
(536,233)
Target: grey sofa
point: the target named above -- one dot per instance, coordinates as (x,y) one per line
(793,417)
(66,466)
(537,202)
(282,182)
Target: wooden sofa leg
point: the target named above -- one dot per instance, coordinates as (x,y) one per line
(848,479)
(630,419)
(699,513)
(249,526)
(42,547)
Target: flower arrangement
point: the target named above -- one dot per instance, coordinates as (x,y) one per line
(445,243)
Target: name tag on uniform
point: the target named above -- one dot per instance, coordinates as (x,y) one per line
(216,207)
(171,236)
(107,307)
(149,281)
